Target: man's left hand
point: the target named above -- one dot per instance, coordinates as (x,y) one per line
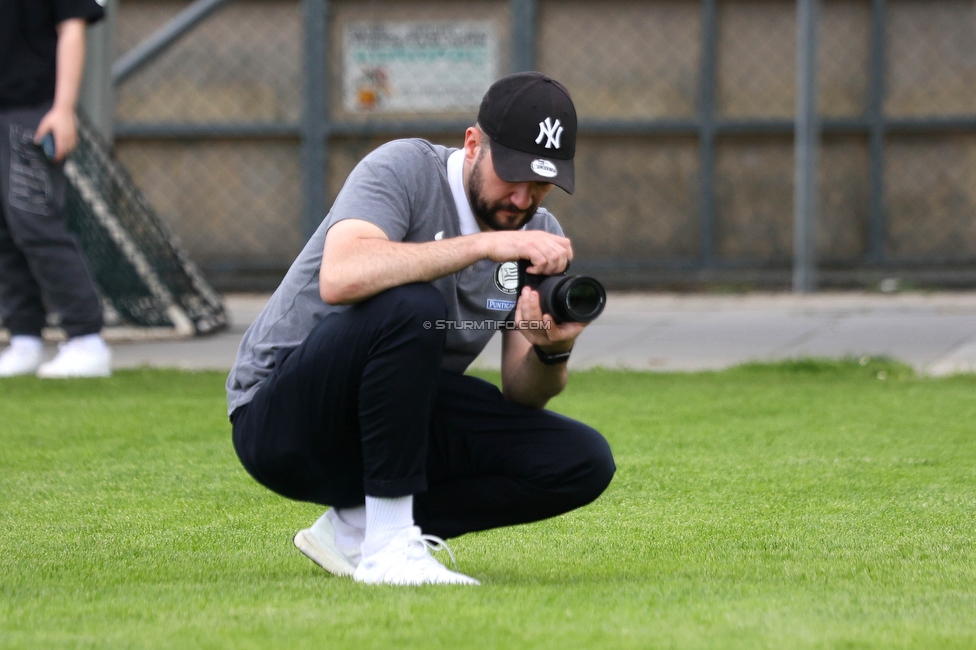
(61,123)
(548,335)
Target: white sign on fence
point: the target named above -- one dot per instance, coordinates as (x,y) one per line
(413,66)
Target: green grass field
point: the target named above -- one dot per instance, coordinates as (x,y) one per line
(805,505)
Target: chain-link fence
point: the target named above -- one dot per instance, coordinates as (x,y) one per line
(930,178)
(685,162)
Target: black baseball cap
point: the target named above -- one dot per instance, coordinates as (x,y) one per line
(531,123)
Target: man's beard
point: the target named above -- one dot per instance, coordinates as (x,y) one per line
(487,213)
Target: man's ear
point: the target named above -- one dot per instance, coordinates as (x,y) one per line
(473,139)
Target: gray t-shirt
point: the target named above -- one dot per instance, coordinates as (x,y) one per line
(403,188)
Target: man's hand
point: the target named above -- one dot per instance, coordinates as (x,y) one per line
(549,254)
(548,335)
(60,122)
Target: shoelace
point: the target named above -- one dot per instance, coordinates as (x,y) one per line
(435,544)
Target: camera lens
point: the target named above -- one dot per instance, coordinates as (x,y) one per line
(585,299)
(567,298)
(582,299)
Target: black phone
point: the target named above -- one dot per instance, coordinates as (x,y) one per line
(47,144)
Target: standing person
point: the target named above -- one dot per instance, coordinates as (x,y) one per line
(42,53)
(348,389)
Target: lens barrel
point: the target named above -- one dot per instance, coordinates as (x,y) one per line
(567,298)
(572,298)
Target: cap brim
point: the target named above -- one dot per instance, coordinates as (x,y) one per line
(513,166)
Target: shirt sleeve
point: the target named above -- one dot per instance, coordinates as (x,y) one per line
(375,191)
(543,220)
(90,10)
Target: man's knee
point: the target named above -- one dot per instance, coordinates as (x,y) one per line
(580,466)
(596,466)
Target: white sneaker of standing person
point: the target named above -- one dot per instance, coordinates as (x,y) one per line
(23,357)
(81,356)
(332,544)
(406,560)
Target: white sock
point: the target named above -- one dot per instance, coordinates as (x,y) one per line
(384,519)
(355,517)
(348,536)
(26,342)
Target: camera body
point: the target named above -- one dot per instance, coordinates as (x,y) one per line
(567,298)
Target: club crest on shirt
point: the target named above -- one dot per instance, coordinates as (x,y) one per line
(506,277)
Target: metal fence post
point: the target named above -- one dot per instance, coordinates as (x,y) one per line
(876,132)
(97,98)
(706,135)
(806,149)
(523,13)
(314,117)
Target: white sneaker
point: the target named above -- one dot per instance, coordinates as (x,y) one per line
(23,357)
(319,544)
(406,560)
(82,356)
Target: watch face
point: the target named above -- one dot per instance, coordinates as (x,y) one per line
(506,277)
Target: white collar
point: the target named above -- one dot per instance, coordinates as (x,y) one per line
(455,178)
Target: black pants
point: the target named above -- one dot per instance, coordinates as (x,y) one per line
(362,408)
(39,259)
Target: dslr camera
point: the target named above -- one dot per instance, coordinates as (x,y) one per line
(567,298)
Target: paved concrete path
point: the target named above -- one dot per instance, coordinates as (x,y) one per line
(935,333)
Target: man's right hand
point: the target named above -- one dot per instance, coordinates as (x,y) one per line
(549,254)
(60,122)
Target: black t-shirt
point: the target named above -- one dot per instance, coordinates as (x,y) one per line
(28,46)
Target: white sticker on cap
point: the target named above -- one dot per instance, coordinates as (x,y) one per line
(544,168)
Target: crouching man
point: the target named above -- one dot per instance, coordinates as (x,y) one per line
(348,390)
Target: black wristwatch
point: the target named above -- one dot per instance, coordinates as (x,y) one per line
(552,358)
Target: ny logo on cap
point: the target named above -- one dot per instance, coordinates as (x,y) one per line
(551,131)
